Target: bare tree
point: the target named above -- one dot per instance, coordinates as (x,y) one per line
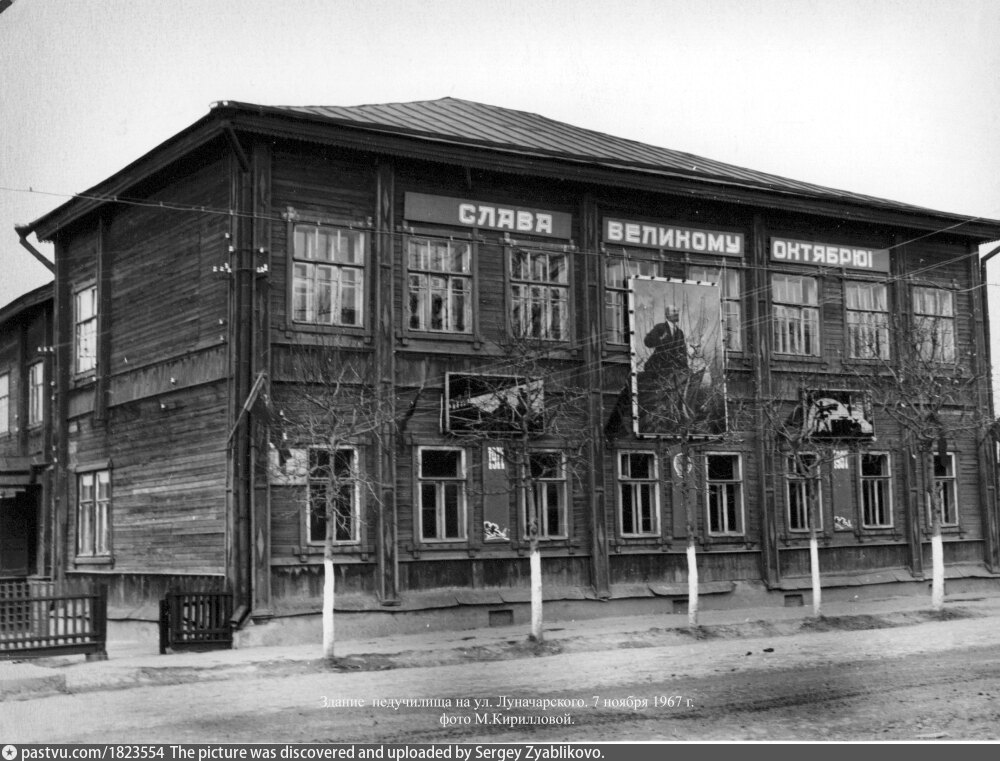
(815,431)
(686,404)
(929,389)
(528,401)
(317,436)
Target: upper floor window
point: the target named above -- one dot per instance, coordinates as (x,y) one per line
(441,486)
(803,487)
(724,493)
(546,488)
(945,488)
(796,314)
(638,494)
(36,393)
(539,286)
(617,272)
(934,323)
(729,280)
(93,513)
(328,275)
(867,320)
(439,285)
(333,503)
(876,494)
(85,333)
(4,403)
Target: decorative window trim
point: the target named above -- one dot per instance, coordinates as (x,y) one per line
(870,322)
(355,487)
(802,309)
(946,353)
(100,552)
(36,393)
(296,217)
(801,484)
(564,496)
(651,483)
(511,282)
(88,369)
(740,496)
(461,480)
(888,497)
(421,333)
(950,482)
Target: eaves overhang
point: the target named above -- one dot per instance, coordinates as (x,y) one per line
(390,140)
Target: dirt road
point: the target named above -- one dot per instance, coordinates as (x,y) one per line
(933,681)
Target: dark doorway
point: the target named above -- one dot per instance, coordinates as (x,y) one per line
(18,532)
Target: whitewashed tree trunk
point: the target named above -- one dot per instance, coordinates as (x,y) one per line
(535,560)
(817,592)
(692,560)
(937,544)
(328,597)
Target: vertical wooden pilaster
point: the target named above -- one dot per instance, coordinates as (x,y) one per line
(386,542)
(760,339)
(261,341)
(985,451)
(61,368)
(593,343)
(103,348)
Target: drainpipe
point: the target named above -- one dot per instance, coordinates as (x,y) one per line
(989,385)
(23,231)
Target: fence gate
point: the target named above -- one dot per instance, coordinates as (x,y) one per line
(196,621)
(39,618)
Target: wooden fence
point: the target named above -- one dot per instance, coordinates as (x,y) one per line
(196,621)
(39,618)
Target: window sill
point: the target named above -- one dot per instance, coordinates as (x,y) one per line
(93,561)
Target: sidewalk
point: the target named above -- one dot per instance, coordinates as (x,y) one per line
(73,674)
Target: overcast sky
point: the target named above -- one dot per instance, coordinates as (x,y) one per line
(893,98)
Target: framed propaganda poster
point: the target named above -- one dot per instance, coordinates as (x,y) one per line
(678,358)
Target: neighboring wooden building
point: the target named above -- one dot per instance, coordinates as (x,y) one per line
(409,241)
(25,435)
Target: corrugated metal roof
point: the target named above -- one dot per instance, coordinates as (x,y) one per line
(472,123)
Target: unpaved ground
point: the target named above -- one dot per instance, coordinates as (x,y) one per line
(930,680)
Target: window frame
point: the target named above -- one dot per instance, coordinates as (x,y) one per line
(562,483)
(633,484)
(434,234)
(802,484)
(737,302)
(951,484)
(658,267)
(92,325)
(91,524)
(512,282)
(885,478)
(295,218)
(740,496)
(355,498)
(801,308)
(441,518)
(5,427)
(885,330)
(938,319)
(36,393)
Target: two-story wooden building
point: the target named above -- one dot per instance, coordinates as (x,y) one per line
(25,435)
(410,242)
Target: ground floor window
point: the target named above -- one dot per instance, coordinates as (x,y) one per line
(545,491)
(441,488)
(945,488)
(802,486)
(638,494)
(333,495)
(876,492)
(93,513)
(724,493)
